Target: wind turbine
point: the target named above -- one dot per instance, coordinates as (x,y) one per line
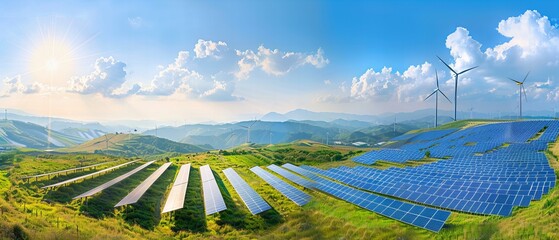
(248,129)
(436,92)
(521,88)
(456,74)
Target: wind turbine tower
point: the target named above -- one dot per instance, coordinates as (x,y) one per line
(521,89)
(436,93)
(248,129)
(456,74)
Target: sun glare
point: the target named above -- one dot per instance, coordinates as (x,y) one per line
(52,65)
(52,60)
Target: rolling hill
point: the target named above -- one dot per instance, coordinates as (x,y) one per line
(133,145)
(20,134)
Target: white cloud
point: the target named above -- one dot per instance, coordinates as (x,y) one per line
(204,49)
(327,82)
(14,85)
(276,62)
(177,77)
(533,45)
(172,78)
(107,79)
(136,22)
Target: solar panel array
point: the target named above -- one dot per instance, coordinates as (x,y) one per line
(252,200)
(65,171)
(492,168)
(89,175)
(416,215)
(139,191)
(299,197)
(391,155)
(175,200)
(292,177)
(112,182)
(213,201)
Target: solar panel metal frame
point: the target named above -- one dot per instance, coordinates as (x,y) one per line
(177,195)
(213,200)
(254,202)
(135,195)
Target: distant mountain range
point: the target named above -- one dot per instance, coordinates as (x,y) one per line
(26,130)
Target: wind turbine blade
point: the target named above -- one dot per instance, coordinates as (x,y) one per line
(467,70)
(447,65)
(445,96)
(252,123)
(430,95)
(525,97)
(437,77)
(526,77)
(515,81)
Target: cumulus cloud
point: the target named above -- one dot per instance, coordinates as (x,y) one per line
(177,77)
(532,45)
(276,62)
(204,48)
(387,85)
(172,78)
(107,79)
(14,85)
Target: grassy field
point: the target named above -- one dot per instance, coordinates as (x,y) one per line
(26,211)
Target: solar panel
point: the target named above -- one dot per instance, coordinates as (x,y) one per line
(213,201)
(65,171)
(299,197)
(175,200)
(416,215)
(89,175)
(112,182)
(252,200)
(139,191)
(292,177)
(490,168)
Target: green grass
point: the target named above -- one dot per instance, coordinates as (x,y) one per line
(37,214)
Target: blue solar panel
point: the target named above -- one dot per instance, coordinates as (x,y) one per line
(292,177)
(299,197)
(252,200)
(416,215)
(491,168)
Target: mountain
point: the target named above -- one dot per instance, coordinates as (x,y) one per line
(301,114)
(84,134)
(20,134)
(133,145)
(229,135)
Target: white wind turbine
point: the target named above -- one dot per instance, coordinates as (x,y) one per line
(436,93)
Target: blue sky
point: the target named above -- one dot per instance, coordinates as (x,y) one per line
(221,61)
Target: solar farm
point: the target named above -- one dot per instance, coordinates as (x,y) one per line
(421,181)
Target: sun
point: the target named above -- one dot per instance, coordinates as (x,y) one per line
(51,57)
(52,65)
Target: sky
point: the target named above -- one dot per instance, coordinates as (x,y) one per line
(221,61)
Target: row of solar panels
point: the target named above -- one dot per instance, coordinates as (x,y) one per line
(489,183)
(416,215)
(213,200)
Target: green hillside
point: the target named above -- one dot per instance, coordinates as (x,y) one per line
(21,134)
(29,212)
(133,145)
